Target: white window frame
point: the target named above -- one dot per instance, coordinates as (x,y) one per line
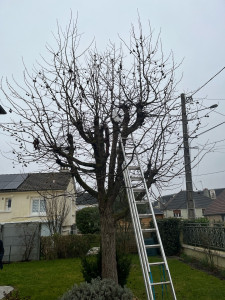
(39,211)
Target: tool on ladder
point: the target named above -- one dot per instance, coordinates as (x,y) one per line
(136,186)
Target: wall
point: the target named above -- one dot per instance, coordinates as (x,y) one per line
(201,254)
(184,213)
(18,239)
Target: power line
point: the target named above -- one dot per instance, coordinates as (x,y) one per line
(208,129)
(213,99)
(208,81)
(210,173)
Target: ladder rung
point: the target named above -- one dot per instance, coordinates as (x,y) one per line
(139,190)
(153,246)
(157,263)
(142,202)
(133,168)
(144,215)
(160,283)
(149,230)
(136,178)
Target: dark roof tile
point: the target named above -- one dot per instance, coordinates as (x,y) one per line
(179,201)
(217,207)
(86,199)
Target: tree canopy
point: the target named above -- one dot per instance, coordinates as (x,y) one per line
(74,106)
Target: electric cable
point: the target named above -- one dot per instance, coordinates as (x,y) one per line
(207,82)
(207,130)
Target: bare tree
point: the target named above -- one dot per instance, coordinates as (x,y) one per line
(57,208)
(73,107)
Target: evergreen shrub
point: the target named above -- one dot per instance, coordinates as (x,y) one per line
(105,289)
(88,220)
(91,267)
(170,234)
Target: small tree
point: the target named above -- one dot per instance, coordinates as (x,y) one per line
(57,207)
(88,220)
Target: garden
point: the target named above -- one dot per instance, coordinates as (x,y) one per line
(64,264)
(50,279)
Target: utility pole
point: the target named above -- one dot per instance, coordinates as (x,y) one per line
(187,162)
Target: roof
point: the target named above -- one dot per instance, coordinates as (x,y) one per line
(157,211)
(11,181)
(179,201)
(217,191)
(34,182)
(217,207)
(86,199)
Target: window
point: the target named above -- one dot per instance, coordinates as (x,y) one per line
(38,206)
(8,204)
(177,213)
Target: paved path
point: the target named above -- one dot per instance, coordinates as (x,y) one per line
(6,289)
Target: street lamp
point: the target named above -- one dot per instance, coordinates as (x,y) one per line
(2,111)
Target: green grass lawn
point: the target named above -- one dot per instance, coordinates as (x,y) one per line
(47,280)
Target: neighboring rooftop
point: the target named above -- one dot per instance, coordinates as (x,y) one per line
(179,201)
(86,199)
(34,181)
(217,207)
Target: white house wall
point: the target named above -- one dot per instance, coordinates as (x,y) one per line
(21,206)
(184,213)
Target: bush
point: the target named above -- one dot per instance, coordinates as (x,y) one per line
(91,267)
(170,234)
(88,220)
(105,289)
(68,246)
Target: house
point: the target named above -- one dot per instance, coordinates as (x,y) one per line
(215,212)
(27,198)
(176,206)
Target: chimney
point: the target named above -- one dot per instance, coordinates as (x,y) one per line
(206,193)
(212,194)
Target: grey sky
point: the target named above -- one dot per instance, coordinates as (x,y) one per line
(194,30)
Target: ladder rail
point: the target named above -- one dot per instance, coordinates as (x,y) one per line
(154,221)
(138,233)
(137,225)
(139,242)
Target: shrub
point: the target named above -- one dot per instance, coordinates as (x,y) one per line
(69,246)
(88,220)
(105,289)
(170,234)
(91,267)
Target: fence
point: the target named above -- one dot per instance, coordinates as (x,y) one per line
(21,241)
(203,235)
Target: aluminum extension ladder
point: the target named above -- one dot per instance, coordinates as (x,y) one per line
(135,184)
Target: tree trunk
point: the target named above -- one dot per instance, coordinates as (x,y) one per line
(108,243)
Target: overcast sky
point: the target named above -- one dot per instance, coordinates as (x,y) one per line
(193,29)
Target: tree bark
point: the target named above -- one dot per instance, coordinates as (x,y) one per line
(108,243)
